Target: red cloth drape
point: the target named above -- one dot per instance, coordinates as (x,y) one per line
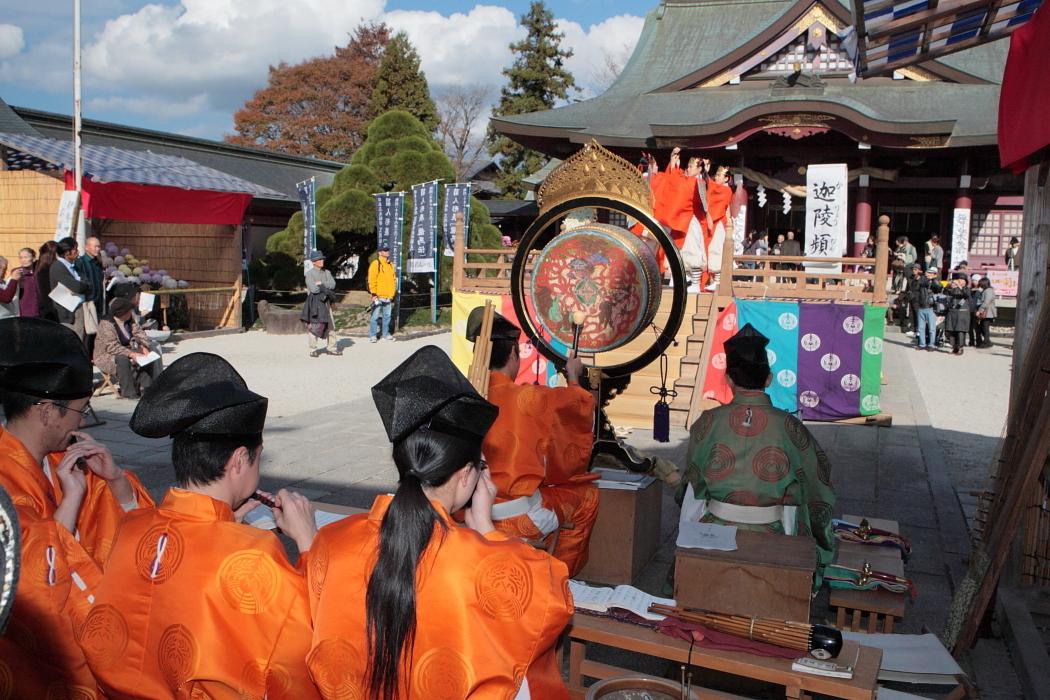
(127,201)
(1024,101)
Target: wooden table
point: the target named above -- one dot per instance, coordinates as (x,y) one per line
(883,608)
(588,629)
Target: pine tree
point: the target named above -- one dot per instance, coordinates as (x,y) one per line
(400,84)
(319,107)
(535,81)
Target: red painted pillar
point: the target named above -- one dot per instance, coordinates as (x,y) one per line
(862,218)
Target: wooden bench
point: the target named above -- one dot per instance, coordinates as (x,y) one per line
(587,630)
(881,607)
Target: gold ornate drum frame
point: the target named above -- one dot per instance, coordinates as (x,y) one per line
(596,178)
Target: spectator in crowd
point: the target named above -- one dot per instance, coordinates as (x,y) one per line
(791,246)
(62,272)
(985,313)
(904,255)
(383,287)
(89,267)
(9,290)
(28,291)
(119,348)
(921,288)
(957,320)
(1013,254)
(317,311)
(934,254)
(42,272)
(975,302)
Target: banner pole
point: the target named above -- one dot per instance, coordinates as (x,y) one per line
(400,251)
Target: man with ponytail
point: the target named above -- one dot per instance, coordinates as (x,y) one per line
(408,605)
(539,450)
(193,603)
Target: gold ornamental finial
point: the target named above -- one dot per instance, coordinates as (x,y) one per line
(595,171)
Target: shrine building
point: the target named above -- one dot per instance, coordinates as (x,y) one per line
(767,88)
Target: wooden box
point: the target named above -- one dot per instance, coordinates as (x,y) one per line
(766,576)
(625,535)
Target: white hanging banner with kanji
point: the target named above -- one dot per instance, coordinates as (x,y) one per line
(826,215)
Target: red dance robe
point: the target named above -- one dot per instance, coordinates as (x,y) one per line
(60,571)
(488,613)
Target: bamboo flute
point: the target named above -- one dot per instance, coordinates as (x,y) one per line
(478,374)
(821,641)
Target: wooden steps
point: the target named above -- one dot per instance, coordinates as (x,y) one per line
(634,407)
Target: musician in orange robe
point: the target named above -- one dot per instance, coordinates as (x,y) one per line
(539,449)
(67,514)
(193,603)
(407,604)
(718,196)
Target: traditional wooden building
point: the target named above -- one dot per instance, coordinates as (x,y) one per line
(199,209)
(768,88)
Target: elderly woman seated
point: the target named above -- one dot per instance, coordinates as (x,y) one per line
(122,349)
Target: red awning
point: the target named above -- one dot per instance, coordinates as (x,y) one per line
(1024,103)
(128,201)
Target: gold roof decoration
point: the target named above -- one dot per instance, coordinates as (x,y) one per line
(595,171)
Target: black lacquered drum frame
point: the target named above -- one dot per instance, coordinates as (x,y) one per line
(537,236)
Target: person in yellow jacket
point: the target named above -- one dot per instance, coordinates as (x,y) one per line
(383,287)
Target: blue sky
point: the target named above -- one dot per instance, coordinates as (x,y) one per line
(186,65)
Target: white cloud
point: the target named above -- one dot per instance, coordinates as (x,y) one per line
(460,49)
(11,40)
(613,38)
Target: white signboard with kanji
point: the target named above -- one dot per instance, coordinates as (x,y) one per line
(826,215)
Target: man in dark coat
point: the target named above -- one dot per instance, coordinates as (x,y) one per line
(62,272)
(89,267)
(957,320)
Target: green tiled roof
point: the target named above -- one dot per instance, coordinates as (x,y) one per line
(680,38)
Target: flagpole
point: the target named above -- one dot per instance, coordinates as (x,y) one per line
(78,165)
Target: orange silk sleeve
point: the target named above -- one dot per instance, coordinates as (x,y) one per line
(100,514)
(512,446)
(570,437)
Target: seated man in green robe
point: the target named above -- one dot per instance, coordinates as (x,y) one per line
(754,466)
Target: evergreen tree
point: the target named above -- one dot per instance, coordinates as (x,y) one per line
(535,81)
(400,84)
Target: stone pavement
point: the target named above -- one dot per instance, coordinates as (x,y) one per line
(912,472)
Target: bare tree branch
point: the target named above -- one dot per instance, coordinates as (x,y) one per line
(461,131)
(614,61)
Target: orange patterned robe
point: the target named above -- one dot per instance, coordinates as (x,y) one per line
(542,441)
(488,613)
(39,655)
(195,605)
(676,201)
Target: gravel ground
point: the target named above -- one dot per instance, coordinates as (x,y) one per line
(280,367)
(967,400)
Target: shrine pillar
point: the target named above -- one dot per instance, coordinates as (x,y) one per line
(861,217)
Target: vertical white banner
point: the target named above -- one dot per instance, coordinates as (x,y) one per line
(960,235)
(826,214)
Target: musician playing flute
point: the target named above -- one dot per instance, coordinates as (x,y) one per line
(193,603)
(754,466)
(538,450)
(68,498)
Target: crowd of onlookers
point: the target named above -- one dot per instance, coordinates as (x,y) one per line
(957,311)
(107,320)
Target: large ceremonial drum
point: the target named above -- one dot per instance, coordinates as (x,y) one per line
(605,272)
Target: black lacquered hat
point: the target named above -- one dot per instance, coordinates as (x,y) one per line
(427,390)
(501,327)
(200,395)
(44,359)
